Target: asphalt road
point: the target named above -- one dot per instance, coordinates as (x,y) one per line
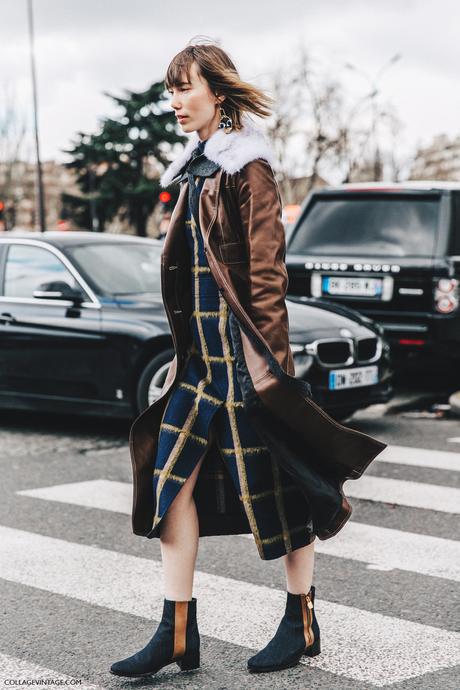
(78,590)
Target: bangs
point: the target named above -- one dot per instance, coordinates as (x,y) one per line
(179,68)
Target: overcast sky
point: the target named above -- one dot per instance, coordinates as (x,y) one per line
(85,47)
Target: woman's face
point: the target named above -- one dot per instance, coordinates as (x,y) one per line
(195,105)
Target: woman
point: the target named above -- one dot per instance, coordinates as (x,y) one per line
(234,443)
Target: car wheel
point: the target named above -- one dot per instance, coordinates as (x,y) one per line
(152,379)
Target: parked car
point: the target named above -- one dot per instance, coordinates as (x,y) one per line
(341,353)
(390,251)
(83,329)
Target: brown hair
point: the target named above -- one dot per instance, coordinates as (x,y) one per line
(216,66)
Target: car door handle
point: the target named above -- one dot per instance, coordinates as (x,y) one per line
(7,318)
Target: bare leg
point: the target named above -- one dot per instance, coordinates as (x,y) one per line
(179,542)
(178,628)
(298,565)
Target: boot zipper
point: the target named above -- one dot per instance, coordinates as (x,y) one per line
(307,609)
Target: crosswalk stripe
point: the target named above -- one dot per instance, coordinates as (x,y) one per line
(389,549)
(359,643)
(420,457)
(380,547)
(404,493)
(14,669)
(103,494)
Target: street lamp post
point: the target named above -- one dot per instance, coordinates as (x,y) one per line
(374,91)
(41,195)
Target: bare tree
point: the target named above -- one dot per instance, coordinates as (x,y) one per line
(355,138)
(323,106)
(12,139)
(317,129)
(368,157)
(309,129)
(283,126)
(396,161)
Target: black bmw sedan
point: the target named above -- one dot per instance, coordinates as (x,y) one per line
(83,329)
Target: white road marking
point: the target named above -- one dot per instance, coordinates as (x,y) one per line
(380,547)
(405,493)
(420,457)
(358,643)
(22,672)
(386,549)
(95,493)
(389,549)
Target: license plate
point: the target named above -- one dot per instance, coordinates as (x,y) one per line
(362,287)
(352,378)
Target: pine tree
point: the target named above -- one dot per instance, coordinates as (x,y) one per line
(112,166)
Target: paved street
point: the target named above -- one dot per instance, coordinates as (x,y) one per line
(79,590)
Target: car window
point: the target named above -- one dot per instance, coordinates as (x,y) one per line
(28,267)
(120,269)
(365,225)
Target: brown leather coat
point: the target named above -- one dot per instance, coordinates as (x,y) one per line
(240,218)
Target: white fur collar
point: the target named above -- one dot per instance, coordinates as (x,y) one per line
(231,151)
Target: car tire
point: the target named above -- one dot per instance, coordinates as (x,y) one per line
(152,379)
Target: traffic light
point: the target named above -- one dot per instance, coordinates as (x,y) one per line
(2,217)
(165,198)
(166,204)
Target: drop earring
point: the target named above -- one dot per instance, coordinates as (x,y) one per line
(225,122)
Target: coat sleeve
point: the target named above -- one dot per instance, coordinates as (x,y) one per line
(260,211)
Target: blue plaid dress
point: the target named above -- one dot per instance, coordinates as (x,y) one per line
(208,392)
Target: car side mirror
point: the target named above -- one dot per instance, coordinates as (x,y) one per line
(59,289)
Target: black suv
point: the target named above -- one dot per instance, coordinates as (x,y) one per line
(389,250)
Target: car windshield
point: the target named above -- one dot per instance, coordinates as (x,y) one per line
(368,225)
(122,268)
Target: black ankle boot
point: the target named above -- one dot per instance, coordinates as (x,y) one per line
(297,634)
(175,640)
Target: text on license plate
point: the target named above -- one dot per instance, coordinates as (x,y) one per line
(365,287)
(352,378)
